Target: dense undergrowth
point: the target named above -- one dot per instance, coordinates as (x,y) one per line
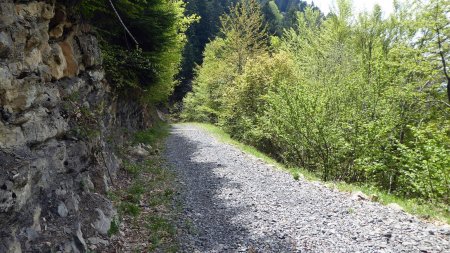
(354,98)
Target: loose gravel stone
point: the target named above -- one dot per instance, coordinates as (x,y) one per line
(233,202)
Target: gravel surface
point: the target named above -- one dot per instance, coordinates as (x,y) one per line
(233,202)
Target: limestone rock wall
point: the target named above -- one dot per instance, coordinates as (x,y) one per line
(59,131)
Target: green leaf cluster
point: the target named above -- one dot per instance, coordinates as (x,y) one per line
(148,67)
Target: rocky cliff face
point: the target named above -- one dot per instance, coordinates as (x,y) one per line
(59,131)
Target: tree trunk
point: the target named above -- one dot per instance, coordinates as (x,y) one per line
(444,63)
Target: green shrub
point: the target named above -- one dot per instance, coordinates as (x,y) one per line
(129,208)
(245,102)
(424,163)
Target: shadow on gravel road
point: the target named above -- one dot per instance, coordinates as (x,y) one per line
(209,222)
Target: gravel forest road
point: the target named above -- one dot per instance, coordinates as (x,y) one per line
(233,202)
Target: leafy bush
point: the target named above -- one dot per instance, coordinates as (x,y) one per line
(245,102)
(424,162)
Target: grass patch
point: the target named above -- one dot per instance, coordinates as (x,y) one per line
(225,137)
(161,229)
(152,135)
(420,208)
(132,168)
(145,197)
(137,188)
(161,198)
(129,208)
(114,228)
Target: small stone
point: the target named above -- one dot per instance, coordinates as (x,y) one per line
(79,242)
(31,234)
(139,151)
(67,230)
(62,210)
(87,184)
(445,230)
(147,147)
(5,78)
(374,197)
(359,196)
(56,62)
(103,223)
(48,12)
(395,206)
(72,203)
(97,241)
(424,250)
(96,76)
(5,44)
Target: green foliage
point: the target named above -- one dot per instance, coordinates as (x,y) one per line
(203,104)
(274,17)
(198,35)
(161,229)
(245,33)
(278,15)
(434,24)
(245,102)
(132,168)
(123,68)
(158,27)
(114,227)
(354,99)
(129,208)
(425,163)
(153,134)
(243,37)
(296,176)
